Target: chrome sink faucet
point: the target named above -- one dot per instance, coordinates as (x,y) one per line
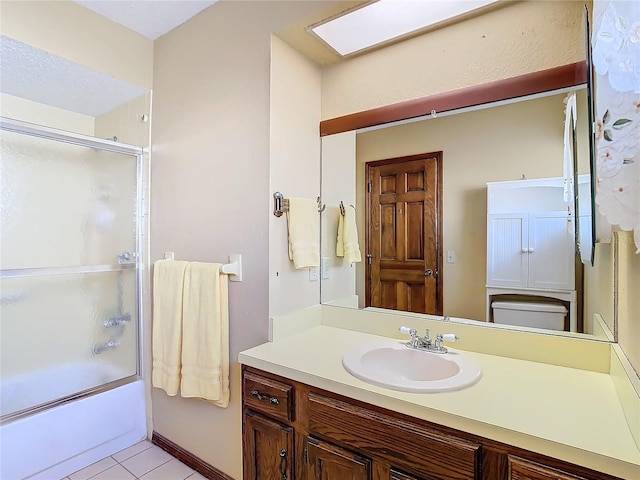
(425,343)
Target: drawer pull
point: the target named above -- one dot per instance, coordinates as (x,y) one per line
(260,396)
(283,464)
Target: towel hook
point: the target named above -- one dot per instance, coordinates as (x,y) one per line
(341,208)
(321,206)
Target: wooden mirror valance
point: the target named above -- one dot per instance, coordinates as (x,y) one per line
(523,85)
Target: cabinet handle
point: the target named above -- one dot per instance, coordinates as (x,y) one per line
(266,398)
(283,464)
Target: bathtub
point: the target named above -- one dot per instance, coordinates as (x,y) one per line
(56,442)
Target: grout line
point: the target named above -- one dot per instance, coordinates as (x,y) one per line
(155,468)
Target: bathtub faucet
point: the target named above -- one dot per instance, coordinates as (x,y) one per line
(102,347)
(118,320)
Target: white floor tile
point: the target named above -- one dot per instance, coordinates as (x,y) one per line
(196,476)
(146,461)
(93,469)
(114,473)
(172,470)
(132,450)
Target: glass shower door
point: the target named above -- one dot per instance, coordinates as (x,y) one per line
(68,270)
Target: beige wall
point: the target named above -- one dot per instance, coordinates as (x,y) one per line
(127,123)
(628,286)
(40,114)
(599,288)
(520,38)
(494,144)
(68,30)
(210,186)
(294,168)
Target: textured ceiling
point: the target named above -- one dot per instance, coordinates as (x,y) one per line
(39,76)
(149,18)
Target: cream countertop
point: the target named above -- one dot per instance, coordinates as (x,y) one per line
(562,412)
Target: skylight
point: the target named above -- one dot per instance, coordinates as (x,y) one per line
(386,20)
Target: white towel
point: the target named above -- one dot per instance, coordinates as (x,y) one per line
(347,243)
(205,334)
(303,224)
(567,170)
(168,278)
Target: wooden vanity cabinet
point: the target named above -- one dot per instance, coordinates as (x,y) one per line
(292,431)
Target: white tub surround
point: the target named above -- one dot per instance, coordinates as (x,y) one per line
(59,441)
(573,414)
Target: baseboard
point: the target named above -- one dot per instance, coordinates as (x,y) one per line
(188,458)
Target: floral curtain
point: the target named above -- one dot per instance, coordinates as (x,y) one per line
(616,60)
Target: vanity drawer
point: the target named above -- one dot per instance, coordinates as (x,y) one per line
(269,396)
(522,469)
(408,446)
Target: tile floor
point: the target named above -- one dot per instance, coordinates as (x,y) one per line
(143,461)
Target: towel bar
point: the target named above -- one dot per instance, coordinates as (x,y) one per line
(281,204)
(233,268)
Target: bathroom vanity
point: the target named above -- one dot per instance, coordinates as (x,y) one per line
(305,417)
(295,431)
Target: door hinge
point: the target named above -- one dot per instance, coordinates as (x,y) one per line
(306,455)
(243,427)
(369,187)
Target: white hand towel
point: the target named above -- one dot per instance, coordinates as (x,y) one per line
(567,170)
(303,223)
(205,334)
(168,278)
(347,243)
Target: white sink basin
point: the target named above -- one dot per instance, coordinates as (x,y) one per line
(393,365)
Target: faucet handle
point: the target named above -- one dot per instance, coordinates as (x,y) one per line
(415,340)
(427,336)
(408,331)
(449,337)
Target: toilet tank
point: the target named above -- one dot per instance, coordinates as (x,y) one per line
(530,314)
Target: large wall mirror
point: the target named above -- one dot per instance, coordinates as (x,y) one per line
(478,214)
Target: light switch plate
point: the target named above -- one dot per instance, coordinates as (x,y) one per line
(451,256)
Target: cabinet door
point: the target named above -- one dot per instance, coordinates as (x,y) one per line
(507,250)
(268,449)
(329,462)
(551,251)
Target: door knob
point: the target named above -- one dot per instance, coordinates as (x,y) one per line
(428,272)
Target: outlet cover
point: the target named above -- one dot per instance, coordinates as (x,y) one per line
(325,268)
(314,274)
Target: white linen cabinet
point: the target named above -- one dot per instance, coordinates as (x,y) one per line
(531,242)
